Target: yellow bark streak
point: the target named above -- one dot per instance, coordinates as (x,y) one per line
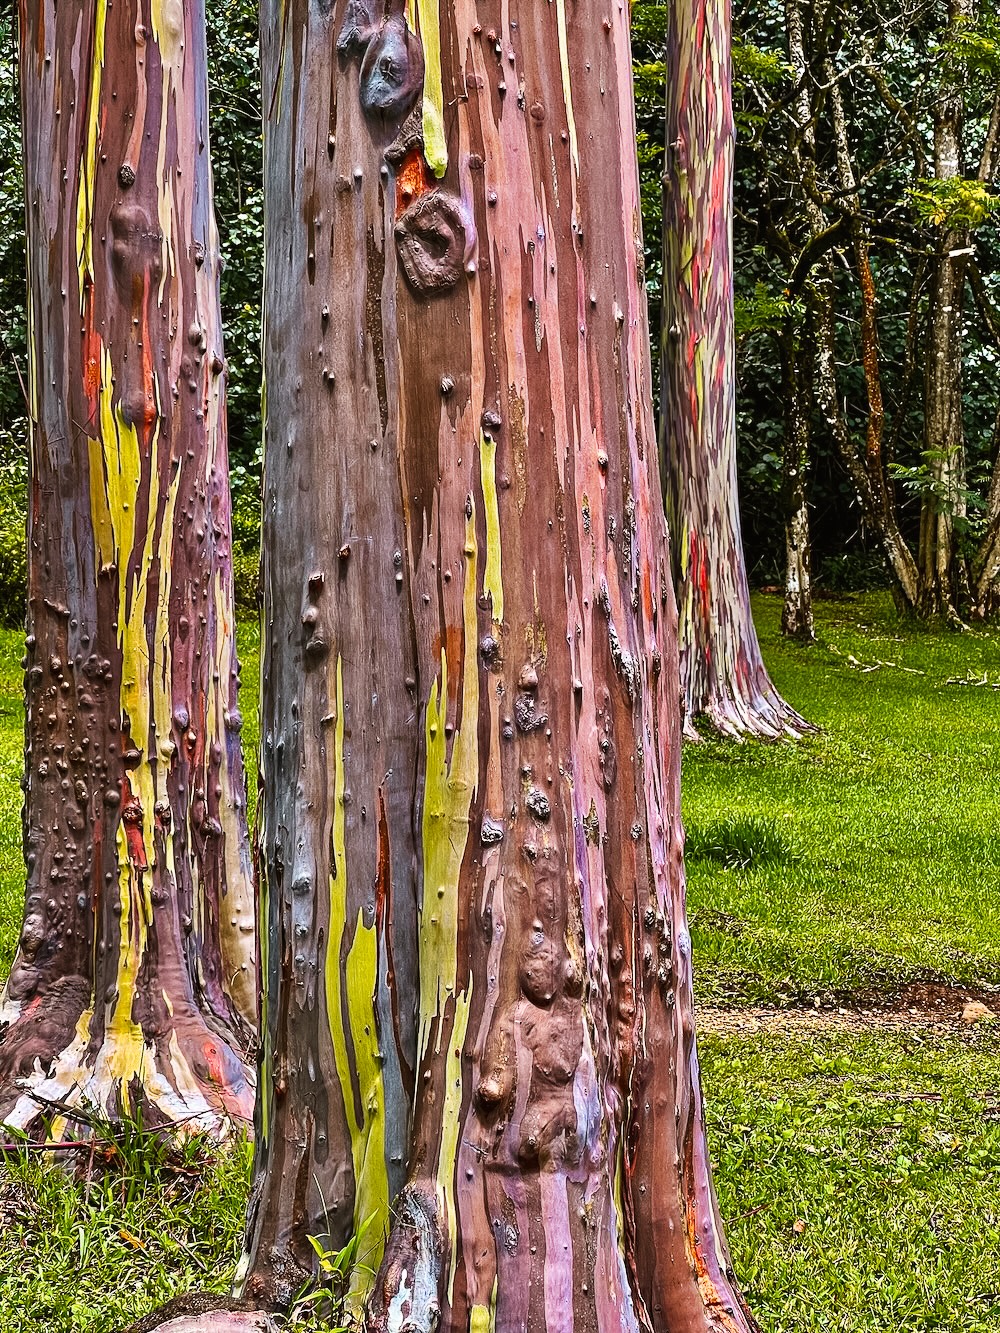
(357,985)
(448,793)
(168,27)
(481,1320)
(567,85)
(115,466)
(88,164)
(435,147)
(451,1123)
(124,1047)
(492,581)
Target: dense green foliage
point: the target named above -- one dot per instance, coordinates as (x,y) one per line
(890,64)
(856,1162)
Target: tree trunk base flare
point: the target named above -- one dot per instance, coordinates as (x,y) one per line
(218,1322)
(759,714)
(188,1073)
(406,1295)
(133,991)
(203,1312)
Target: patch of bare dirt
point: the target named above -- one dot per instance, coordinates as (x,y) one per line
(936,1004)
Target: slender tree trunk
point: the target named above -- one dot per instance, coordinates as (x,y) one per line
(723,677)
(471,732)
(867,469)
(797,612)
(944,581)
(133,984)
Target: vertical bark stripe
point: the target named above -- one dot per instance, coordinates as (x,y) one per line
(435,144)
(353,1022)
(492,571)
(449,787)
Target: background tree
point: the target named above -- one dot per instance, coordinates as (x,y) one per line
(867,192)
(723,677)
(133,984)
(463,523)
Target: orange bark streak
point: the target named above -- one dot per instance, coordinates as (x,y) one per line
(412,180)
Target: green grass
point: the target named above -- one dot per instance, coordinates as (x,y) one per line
(892,813)
(89,1247)
(887,1148)
(867,856)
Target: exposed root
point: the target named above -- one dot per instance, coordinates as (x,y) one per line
(764,718)
(406,1297)
(203,1312)
(32,1031)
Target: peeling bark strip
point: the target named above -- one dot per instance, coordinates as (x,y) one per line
(133,985)
(478,1015)
(723,677)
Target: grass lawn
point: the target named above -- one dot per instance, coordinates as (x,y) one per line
(858,1164)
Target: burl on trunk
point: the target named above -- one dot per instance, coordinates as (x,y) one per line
(133,988)
(478,1019)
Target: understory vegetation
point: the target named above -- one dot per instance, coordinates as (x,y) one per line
(834,885)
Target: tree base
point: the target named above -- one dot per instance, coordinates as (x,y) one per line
(406,1290)
(761,719)
(190,1076)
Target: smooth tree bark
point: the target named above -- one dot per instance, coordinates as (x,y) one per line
(133,988)
(806,234)
(944,576)
(797,620)
(723,677)
(478,1018)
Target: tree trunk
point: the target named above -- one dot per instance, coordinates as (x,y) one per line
(133,986)
(867,471)
(797,611)
(471,849)
(723,677)
(944,581)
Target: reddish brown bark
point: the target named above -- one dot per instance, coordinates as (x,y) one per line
(133,982)
(471,849)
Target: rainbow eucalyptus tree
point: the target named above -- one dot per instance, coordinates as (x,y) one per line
(723,677)
(478,1039)
(133,987)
